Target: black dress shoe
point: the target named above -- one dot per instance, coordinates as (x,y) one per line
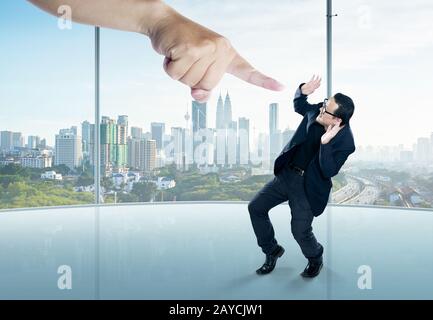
(271,261)
(312,269)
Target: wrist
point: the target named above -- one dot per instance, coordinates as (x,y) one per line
(152,13)
(300,88)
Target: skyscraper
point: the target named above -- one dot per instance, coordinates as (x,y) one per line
(227,110)
(177,134)
(72,129)
(43,144)
(123,121)
(86,136)
(121,141)
(273,118)
(232,143)
(220,115)
(150,155)
(136,132)
(108,130)
(6,142)
(33,142)
(136,148)
(17,139)
(198,116)
(141,154)
(158,131)
(244,141)
(68,149)
(274,133)
(9,140)
(227,147)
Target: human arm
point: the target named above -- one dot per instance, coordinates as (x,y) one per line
(194,54)
(300,102)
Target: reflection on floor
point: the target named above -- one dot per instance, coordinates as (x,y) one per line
(208,251)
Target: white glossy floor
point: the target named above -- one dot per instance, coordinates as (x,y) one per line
(209,251)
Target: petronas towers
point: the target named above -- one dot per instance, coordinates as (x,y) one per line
(224,113)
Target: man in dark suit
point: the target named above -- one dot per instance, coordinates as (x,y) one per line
(303,171)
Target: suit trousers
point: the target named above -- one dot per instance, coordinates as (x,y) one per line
(287,185)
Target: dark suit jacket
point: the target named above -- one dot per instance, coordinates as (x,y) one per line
(327,161)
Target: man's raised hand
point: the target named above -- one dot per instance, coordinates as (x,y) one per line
(331,132)
(309,87)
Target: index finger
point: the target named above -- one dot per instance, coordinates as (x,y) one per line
(240,68)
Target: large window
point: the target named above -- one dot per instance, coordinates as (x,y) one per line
(159,145)
(382,53)
(46,108)
(382,59)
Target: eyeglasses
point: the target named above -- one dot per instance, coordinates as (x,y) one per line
(325,103)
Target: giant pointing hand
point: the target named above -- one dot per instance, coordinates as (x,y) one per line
(194,55)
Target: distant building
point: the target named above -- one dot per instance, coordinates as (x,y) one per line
(243,141)
(68,149)
(87,136)
(136,133)
(127,179)
(17,140)
(9,140)
(177,155)
(220,116)
(142,154)
(163,183)
(6,140)
(7,161)
(114,148)
(275,138)
(33,142)
(150,155)
(51,175)
(198,115)
(227,111)
(273,118)
(36,162)
(158,131)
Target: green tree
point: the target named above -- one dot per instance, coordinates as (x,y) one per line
(127,197)
(6,180)
(14,169)
(145,191)
(21,195)
(85,179)
(107,183)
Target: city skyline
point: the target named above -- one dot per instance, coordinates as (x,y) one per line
(370,69)
(421,148)
(223,119)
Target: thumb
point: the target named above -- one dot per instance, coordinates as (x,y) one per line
(240,68)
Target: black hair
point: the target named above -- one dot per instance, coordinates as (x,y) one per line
(345,107)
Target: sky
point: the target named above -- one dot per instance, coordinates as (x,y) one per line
(381,58)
